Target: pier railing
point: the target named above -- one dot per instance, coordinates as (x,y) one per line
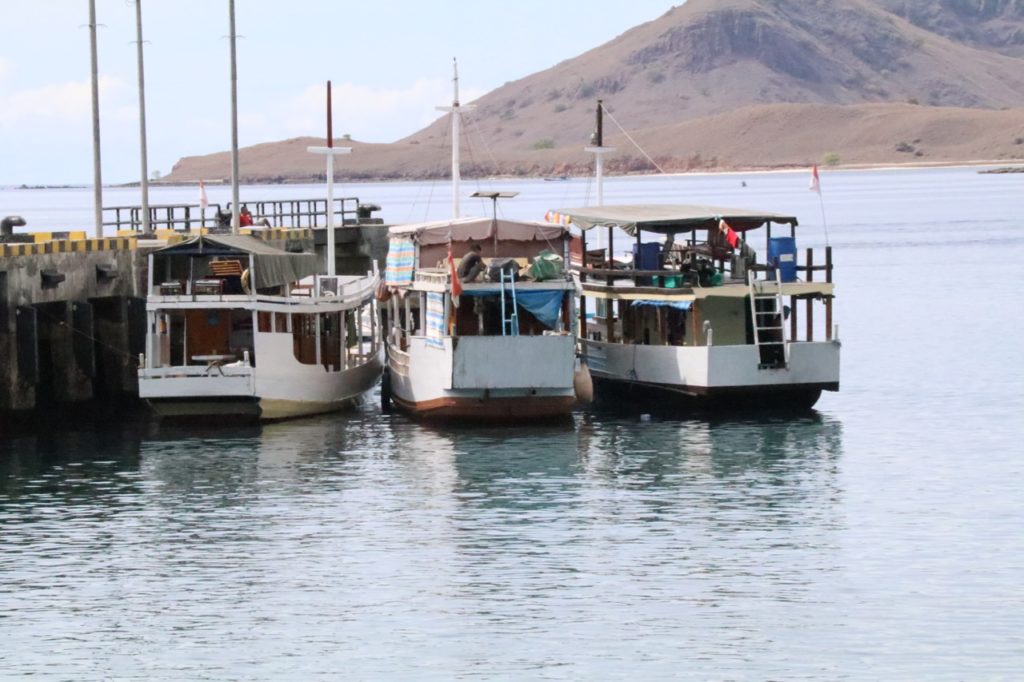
(295,213)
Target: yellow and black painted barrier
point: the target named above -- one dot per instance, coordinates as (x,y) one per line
(78,242)
(66,246)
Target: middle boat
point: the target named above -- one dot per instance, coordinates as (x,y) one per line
(498,349)
(499,346)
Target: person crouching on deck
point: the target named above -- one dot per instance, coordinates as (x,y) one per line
(471,265)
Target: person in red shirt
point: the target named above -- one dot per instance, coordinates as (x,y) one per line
(245,217)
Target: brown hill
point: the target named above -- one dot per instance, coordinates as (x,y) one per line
(767,136)
(686,84)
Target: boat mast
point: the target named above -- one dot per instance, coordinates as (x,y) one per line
(235,210)
(455,110)
(142,119)
(330,151)
(599,150)
(97,181)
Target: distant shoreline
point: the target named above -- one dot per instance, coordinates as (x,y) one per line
(1000,167)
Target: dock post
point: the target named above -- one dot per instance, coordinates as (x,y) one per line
(828,301)
(810,301)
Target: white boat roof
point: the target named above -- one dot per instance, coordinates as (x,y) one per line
(664,218)
(478,229)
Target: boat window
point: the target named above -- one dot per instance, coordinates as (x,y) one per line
(330,341)
(304,338)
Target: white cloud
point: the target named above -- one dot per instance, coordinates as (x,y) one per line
(368,114)
(61,102)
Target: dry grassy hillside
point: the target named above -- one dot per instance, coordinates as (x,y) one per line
(732,83)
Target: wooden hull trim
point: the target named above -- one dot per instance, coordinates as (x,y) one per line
(526,408)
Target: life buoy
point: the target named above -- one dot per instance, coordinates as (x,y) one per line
(245,281)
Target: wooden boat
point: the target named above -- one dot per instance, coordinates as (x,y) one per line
(239,328)
(506,351)
(693,322)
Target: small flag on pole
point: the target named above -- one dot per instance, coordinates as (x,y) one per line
(815,180)
(204,202)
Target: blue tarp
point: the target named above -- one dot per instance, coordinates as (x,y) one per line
(678,305)
(544,304)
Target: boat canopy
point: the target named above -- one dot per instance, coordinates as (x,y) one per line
(664,218)
(273,266)
(478,229)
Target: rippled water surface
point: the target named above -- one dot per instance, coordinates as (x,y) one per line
(878,538)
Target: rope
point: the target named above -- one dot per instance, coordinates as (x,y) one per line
(95,340)
(630,138)
(483,140)
(433,183)
(821,200)
(469,154)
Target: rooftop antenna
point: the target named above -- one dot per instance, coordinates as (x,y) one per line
(455,110)
(494,196)
(235,214)
(330,151)
(97,180)
(142,119)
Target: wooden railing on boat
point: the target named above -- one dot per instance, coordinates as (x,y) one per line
(807,269)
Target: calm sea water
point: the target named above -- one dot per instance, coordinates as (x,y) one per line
(879,538)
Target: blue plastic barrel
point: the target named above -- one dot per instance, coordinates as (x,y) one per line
(782,255)
(646,257)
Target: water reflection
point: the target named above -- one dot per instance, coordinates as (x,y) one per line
(398,537)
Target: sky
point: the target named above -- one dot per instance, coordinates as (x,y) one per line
(389,62)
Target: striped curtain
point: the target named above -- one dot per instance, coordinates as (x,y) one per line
(400,263)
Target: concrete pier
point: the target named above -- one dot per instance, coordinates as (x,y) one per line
(53,296)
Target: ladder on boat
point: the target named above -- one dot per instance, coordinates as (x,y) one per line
(767,315)
(509,317)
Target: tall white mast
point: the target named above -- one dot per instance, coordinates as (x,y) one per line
(455,108)
(330,151)
(235,209)
(142,119)
(97,180)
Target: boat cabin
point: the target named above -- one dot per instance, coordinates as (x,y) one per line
(210,296)
(694,277)
(520,286)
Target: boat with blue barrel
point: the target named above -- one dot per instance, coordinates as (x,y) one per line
(694,319)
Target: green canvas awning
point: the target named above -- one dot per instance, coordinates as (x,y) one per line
(273,266)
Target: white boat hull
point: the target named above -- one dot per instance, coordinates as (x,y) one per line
(278,392)
(485,377)
(714,374)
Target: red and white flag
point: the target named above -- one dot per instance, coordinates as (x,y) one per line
(204,202)
(456,284)
(731,238)
(815,180)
